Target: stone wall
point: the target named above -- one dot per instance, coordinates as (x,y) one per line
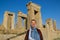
(10,32)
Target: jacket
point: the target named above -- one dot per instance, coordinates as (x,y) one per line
(27,34)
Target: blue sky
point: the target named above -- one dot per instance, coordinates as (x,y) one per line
(49,8)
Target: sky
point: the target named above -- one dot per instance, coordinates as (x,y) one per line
(49,9)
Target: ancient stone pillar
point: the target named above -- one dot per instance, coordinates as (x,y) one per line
(30,15)
(49,28)
(25,23)
(54,25)
(19,21)
(8,22)
(5,19)
(34,13)
(13,21)
(50,23)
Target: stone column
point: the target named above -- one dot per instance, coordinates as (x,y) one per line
(54,25)
(25,23)
(13,21)
(20,28)
(50,23)
(38,18)
(30,15)
(19,21)
(5,19)
(8,22)
(50,30)
(48,27)
(34,13)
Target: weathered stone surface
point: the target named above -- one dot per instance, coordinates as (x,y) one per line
(19,37)
(6,36)
(10,32)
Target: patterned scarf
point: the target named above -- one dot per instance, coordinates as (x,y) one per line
(33,34)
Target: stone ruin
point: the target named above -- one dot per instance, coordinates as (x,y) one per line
(9,31)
